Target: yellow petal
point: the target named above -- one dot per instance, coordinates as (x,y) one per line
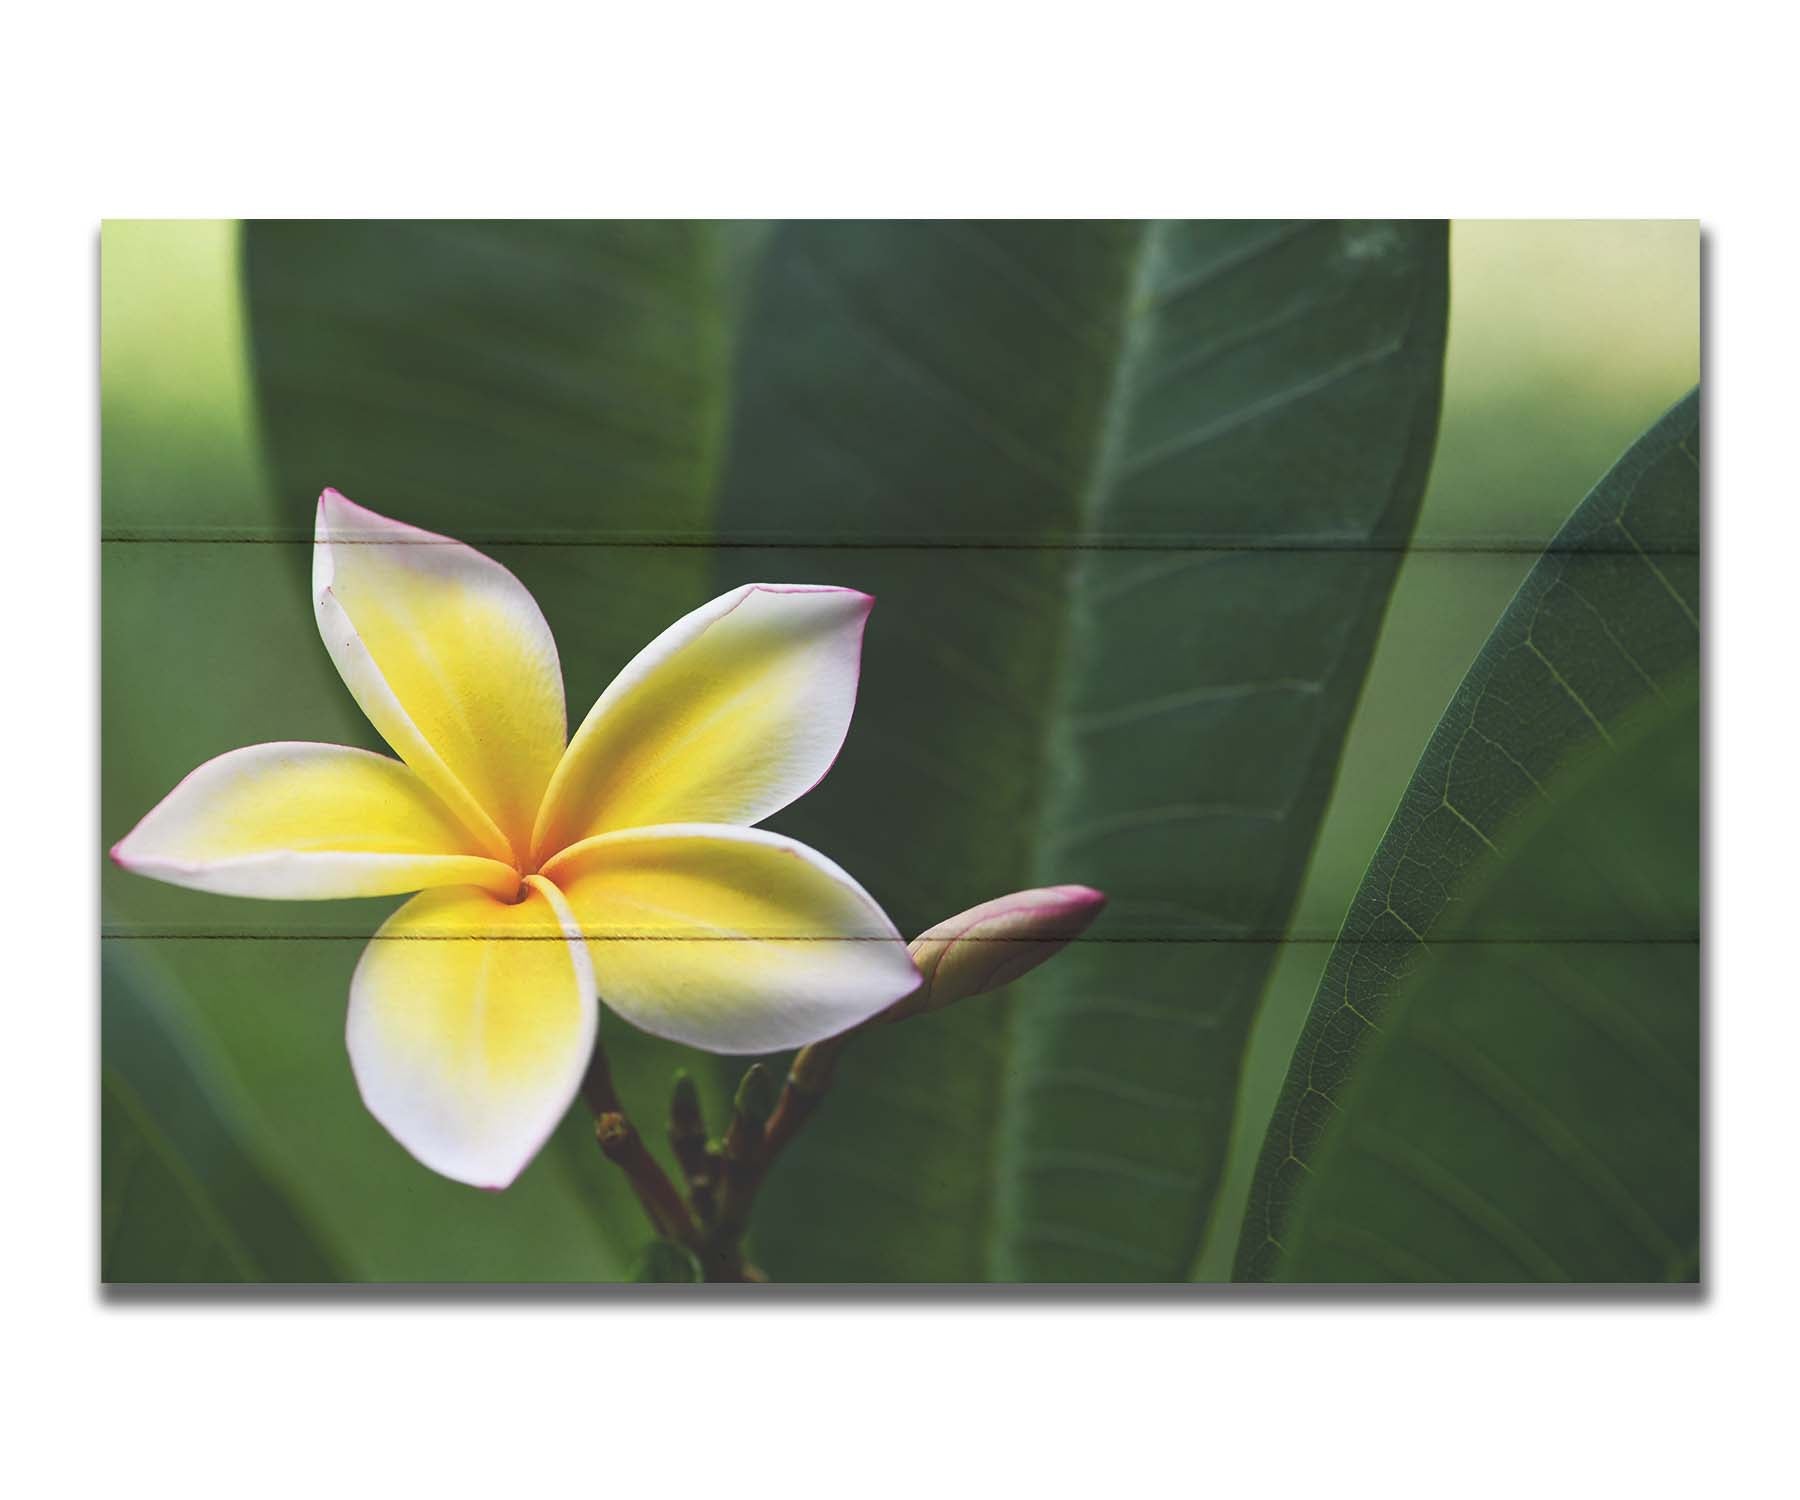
(450,658)
(726,717)
(731,939)
(296,821)
(471,1024)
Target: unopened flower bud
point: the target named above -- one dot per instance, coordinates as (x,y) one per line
(755,1098)
(995,943)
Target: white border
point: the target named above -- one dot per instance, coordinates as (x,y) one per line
(1127,108)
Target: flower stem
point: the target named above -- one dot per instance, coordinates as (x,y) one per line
(597,1085)
(808,1081)
(687,1139)
(742,1165)
(624,1147)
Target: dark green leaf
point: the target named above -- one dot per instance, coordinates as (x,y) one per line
(494,379)
(181,1200)
(664,1261)
(1499,1079)
(1131,498)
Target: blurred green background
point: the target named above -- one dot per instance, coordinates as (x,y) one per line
(1566,340)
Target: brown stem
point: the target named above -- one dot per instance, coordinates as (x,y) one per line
(722,1183)
(808,1081)
(754,1137)
(687,1138)
(597,1085)
(741,1173)
(810,1074)
(705,1191)
(624,1147)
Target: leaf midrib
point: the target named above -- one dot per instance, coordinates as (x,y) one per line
(1130,336)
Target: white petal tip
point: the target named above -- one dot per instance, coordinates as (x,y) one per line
(856,597)
(128,856)
(337,512)
(474,1165)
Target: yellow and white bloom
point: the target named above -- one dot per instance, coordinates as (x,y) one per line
(621,863)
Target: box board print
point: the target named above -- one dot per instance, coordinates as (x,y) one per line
(821,752)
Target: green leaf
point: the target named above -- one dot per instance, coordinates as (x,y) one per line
(1131,499)
(499,378)
(181,1199)
(1499,1078)
(663,1260)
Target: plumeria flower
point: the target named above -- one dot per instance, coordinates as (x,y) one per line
(622,863)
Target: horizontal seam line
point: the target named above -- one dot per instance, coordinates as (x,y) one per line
(171,935)
(814,543)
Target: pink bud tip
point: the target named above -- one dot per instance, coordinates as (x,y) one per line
(995,943)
